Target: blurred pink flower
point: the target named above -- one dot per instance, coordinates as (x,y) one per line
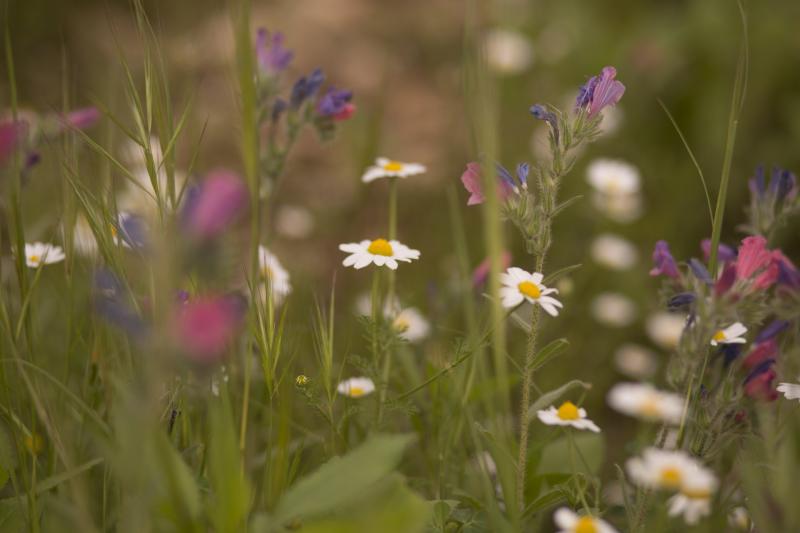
(219,202)
(759,386)
(11,135)
(481,272)
(761,352)
(82,118)
(204,327)
(473,182)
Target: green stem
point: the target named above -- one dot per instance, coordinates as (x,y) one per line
(390,298)
(572,448)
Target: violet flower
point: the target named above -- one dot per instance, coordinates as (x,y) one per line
(788,274)
(110,301)
(540,112)
(664,263)
(771,331)
(473,182)
(215,205)
(681,300)
(271,55)
(204,327)
(306,87)
(600,92)
(725,253)
(700,271)
(336,104)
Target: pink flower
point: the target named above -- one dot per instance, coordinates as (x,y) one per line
(218,202)
(753,257)
(346,113)
(759,386)
(726,279)
(205,327)
(473,182)
(11,136)
(481,272)
(83,118)
(761,352)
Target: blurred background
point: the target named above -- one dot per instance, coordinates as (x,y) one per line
(403,60)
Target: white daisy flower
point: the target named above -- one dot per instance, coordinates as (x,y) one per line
(356,387)
(613,177)
(567,415)
(622,208)
(642,400)
(739,518)
(791,391)
(379,251)
(636,361)
(508,51)
(613,309)
(692,509)
(519,285)
(665,329)
(671,470)
(411,325)
(614,252)
(389,168)
(39,253)
(568,521)
(273,274)
(730,335)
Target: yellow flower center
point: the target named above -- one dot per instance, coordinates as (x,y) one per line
(719,336)
(34,443)
(529,289)
(698,494)
(380,247)
(113,230)
(671,477)
(356,392)
(35,258)
(650,408)
(400,324)
(585,524)
(393,166)
(568,411)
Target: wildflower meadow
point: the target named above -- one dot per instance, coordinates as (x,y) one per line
(353,266)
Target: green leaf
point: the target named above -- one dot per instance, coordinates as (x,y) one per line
(548,398)
(8,452)
(560,273)
(393,509)
(230,495)
(588,457)
(342,480)
(548,499)
(548,353)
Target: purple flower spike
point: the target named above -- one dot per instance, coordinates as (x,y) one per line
(83,118)
(700,271)
(725,253)
(272,57)
(771,331)
(664,263)
(607,91)
(541,113)
(306,87)
(218,203)
(758,184)
(523,169)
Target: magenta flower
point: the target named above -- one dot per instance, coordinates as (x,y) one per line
(726,279)
(81,119)
(481,272)
(600,92)
(755,259)
(725,253)
(204,327)
(218,203)
(788,274)
(758,384)
(761,352)
(473,182)
(12,135)
(664,263)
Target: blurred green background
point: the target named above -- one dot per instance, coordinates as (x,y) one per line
(404,62)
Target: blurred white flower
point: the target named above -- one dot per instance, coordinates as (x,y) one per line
(612,117)
(613,309)
(508,51)
(614,252)
(791,391)
(273,275)
(389,168)
(568,414)
(379,251)
(671,470)
(356,387)
(730,335)
(294,222)
(692,509)
(568,521)
(665,329)
(622,208)
(613,177)
(739,518)
(133,153)
(644,401)
(83,238)
(411,325)
(39,253)
(636,361)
